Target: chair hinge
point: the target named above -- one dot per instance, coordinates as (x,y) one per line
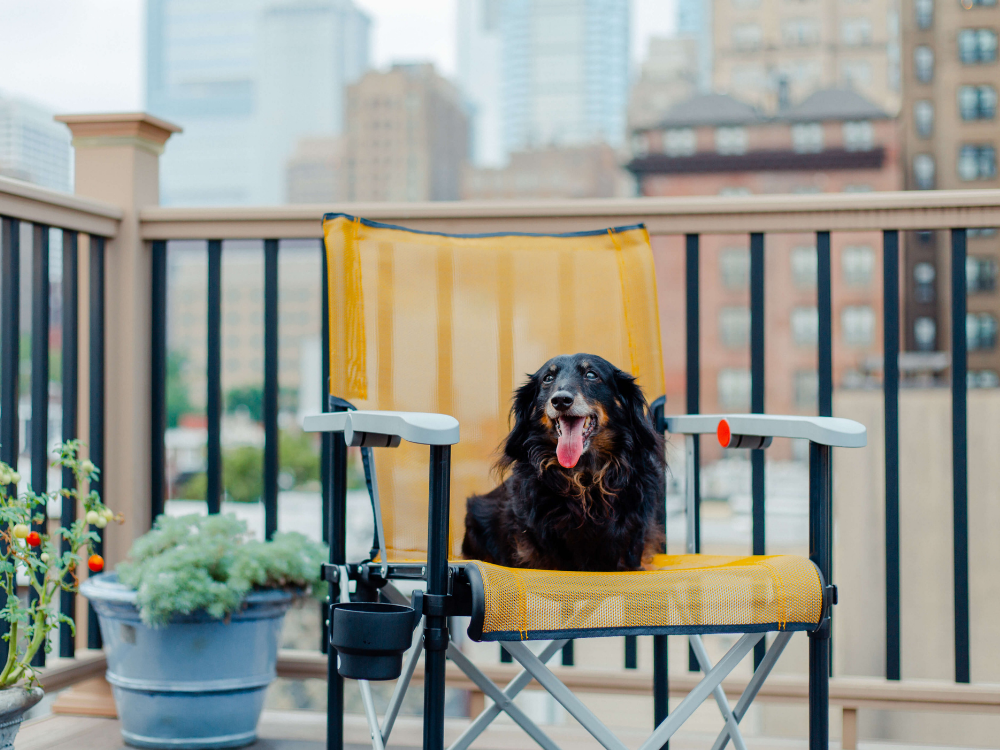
(831,593)
(329,572)
(434,605)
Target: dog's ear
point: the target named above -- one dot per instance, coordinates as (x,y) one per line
(520,414)
(637,409)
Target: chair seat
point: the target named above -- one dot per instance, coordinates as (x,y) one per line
(679,594)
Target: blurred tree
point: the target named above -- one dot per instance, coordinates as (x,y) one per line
(178,400)
(250,396)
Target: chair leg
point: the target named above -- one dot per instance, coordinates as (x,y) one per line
(819,690)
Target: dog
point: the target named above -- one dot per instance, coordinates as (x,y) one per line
(582,472)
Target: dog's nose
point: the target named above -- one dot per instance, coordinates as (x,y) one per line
(561,400)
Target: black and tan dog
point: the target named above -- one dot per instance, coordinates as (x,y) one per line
(583,475)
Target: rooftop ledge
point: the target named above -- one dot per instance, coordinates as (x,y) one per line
(903,210)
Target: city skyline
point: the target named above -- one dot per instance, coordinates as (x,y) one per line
(94,57)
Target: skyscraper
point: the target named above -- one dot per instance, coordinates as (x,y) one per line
(694,20)
(246,80)
(773,53)
(407,136)
(33,148)
(565,66)
(479,77)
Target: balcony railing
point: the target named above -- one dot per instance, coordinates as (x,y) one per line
(139,235)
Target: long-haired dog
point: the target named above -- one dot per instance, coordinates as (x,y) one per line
(583,475)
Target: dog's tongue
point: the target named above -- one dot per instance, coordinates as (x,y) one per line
(570,446)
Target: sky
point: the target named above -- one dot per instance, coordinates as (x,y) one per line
(76,56)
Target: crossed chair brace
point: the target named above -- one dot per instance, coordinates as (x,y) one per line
(467,588)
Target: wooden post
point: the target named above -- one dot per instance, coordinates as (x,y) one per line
(117,161)
(849,729)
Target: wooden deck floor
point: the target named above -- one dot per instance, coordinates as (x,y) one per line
(302,730)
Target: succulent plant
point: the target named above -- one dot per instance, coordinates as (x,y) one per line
(192,563)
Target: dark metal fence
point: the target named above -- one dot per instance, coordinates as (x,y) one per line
(10,357)
(10,360)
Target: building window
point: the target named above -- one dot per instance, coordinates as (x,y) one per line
(980,331)
(747,36)
(858,322)
(807,138)
(977,162)
(925,334)
(799,32)
(924,274)
(923,171)
(806,384)
(977,46)
(856,32)
(858,136)
(857,187)
(972,232)
(925,13)
(730,192)
(640,145)
(923,63)
(923,118)
(804,265)
(734,327)
(746,3)
(983,379)
(855,73)
(679,142)
(977,102)
(734,388)
(857,263)
(970,4)
(734,264)
(980,274)
(805,326)
(732,140)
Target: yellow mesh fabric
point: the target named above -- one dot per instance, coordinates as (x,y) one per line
(435,323)
(687,593)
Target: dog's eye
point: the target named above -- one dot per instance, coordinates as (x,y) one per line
(591,375)
(548,378)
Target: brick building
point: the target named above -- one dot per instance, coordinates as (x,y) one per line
(833,141)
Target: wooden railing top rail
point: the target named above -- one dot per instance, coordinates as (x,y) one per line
(938,209)
(851,692)
(21,200)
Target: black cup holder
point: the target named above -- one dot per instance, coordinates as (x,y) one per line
(370,638)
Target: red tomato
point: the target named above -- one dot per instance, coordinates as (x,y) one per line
(34,539)
(96,563)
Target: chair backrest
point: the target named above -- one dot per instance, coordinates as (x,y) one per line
(453,323)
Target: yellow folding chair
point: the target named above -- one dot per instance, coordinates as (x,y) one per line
(429,336)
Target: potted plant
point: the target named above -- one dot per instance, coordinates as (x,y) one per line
(191,625)
(48,571)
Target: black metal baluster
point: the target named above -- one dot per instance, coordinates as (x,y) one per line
(824,313)
(692,313)
(213,408)
(890,388)
(959,452)
(757,402)
(10,352)
(158,379)
(39,386)
(70,354)
(96,447)
(631,652)
(271,436)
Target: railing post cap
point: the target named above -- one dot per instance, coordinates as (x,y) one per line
(117,125)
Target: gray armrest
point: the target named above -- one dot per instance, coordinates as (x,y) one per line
(414,427)
(833,431)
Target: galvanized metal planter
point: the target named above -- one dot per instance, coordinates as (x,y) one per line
(14,702)
(197,682)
